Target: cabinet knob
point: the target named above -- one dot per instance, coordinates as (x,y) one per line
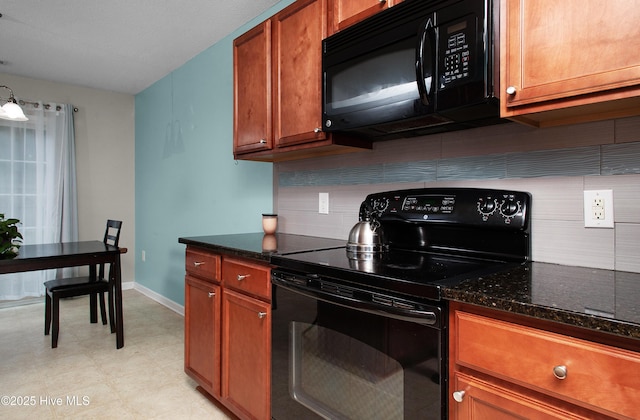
(211,294)
(242,276)
(262,314)
(511,90)
(197,263)
(560,371)
(458,396)
(263,141)
(382,1)
(317,130)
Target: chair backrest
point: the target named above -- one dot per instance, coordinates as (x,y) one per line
(112,234)
(111,237)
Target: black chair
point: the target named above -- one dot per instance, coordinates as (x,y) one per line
(94,285)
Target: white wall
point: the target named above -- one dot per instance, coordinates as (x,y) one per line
(105,145)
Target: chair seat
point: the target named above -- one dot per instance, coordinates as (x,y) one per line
(79,285)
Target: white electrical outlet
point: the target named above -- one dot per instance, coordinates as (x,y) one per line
(323,203)
(598,208)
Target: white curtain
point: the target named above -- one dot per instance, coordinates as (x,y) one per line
(38,186)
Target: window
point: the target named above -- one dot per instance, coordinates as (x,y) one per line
(38,186)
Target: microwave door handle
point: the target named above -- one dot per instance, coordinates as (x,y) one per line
(426,39)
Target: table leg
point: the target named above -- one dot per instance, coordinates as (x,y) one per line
(93,298)
(118,303)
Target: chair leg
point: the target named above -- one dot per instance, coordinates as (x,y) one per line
(103,312)
(56,320)
(47,313)
(93,308)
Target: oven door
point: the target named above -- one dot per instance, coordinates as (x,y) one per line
(337,357)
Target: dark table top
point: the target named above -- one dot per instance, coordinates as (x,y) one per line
(41,256)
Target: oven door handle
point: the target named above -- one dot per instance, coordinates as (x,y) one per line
(428,317)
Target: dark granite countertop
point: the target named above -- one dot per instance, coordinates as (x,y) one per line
(595,299)
(259,246)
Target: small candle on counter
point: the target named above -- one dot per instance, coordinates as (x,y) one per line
(269,223)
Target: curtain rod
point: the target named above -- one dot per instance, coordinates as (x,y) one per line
(45,106)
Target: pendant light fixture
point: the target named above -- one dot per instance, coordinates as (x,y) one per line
(11,110)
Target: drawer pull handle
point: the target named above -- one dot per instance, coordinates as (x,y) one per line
(242,277)
(197,263)
(458,396)
(560,372)
(262,314)
(211,294)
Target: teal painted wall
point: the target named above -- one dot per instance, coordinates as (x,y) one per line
(187,182)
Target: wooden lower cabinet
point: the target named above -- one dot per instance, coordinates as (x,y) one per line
(202,301)
(502,369)
(246,354)
(228,331)
(479,400)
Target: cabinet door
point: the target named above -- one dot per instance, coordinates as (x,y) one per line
(298,31)
(559,54)
(246,355)
(202,333)
(343,13)
(252,129)
(480,400)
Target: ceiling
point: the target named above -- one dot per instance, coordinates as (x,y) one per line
(117,45)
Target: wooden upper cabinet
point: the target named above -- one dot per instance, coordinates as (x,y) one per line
(569,61)
(298,31)
(252,123)
(344,13)
(278,88)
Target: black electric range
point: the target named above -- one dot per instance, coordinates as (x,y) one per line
(363,334)
(435,237)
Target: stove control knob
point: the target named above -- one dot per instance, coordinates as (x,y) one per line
(510,208)
(486,206)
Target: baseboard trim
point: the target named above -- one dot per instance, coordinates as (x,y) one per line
(154,296)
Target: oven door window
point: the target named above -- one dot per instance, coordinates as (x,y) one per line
(364,382)
(329,361)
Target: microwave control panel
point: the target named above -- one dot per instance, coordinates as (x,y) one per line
(457,47)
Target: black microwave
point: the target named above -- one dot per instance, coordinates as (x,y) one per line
(417,68)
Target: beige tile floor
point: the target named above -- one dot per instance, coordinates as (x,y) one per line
(86,377)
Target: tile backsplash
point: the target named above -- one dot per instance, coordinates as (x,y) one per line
(554,164)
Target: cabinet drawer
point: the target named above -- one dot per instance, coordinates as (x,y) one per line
(202,264)
(247,277)
(597,376)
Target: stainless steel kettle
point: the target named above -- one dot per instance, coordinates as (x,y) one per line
(366,238)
